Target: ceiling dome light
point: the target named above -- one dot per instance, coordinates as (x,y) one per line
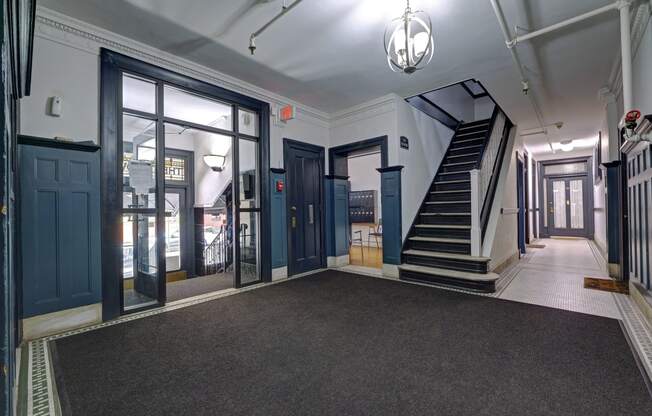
(408,41)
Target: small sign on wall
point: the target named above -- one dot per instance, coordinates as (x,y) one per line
(405,143)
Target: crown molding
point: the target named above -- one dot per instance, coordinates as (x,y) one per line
(377,106)
(75,33)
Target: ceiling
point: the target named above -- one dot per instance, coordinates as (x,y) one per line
(342,63)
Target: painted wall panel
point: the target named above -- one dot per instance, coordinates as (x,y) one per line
(60,229)
(390,184)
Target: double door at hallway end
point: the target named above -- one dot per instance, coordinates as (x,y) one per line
(568,206)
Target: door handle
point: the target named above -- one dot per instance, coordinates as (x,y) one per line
(311,214)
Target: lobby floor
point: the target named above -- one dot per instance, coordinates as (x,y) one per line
(554,277)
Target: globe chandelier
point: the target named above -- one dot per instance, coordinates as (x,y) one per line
(408,41)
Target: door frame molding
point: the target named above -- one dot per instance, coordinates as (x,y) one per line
(321,151)
(112,64)
(343,151)
(588,210)
(189,186)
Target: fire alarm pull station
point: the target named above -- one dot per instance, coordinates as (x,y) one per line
(279,186)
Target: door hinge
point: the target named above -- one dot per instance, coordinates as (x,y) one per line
(5,370)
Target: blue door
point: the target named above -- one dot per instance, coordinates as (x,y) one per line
(305,170)
(520,197)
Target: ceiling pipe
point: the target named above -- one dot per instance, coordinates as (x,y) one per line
(284,11)
(626,53)
(524,80)
(568,22)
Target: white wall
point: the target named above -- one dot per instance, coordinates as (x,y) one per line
(505,243)
(370,120)
(428,141)
(456,101)
(67,64)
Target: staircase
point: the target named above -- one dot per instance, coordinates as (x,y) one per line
(437,249)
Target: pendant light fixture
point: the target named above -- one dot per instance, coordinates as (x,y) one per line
(408,41)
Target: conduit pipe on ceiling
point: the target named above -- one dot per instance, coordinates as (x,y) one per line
(283,12)
(623,6)
(519,66)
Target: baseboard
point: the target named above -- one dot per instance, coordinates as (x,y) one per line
(602,248)
(614,270)
(505,263)
(390,270)
(279,273)
(643,300)
(61,321)
(338,261)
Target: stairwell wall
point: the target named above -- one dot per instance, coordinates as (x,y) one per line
(428,141)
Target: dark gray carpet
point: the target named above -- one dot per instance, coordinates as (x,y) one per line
(340,344)
(198,286)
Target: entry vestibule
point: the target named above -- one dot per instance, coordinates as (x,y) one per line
(185,218)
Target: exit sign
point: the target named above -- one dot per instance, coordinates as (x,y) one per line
(287,113)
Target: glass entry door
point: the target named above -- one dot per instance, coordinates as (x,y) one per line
(567,202)
(221,141)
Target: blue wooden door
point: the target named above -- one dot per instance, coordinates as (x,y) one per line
(305,190)
(59,228)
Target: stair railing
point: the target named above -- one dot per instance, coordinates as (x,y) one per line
(484,177)
(216,255)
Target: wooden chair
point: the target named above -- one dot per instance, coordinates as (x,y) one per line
(358,240)
(375,231)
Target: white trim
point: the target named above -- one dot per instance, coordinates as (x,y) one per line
(338,261)
(390,270)
(279,273)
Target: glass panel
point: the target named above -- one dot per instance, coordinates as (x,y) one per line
(175,169)
(210,183)
(172,232)
(139,167)
(249,265)
(576,204)
(566,168)
(139,261)
(559,199)
(248,122)
(248,154)
(183,105)
(138,94)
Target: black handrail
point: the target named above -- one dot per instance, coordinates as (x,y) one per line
(490,130)
(495,173)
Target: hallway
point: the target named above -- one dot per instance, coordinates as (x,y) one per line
(554,277)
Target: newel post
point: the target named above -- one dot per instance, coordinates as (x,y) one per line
(476,229)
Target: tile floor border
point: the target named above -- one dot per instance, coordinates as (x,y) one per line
(637,329)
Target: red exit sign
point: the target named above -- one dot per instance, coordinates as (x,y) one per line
(287,113)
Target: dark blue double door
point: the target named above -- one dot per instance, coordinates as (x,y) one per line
(305,172)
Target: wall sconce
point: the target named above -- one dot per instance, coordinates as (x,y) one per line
(215,162)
